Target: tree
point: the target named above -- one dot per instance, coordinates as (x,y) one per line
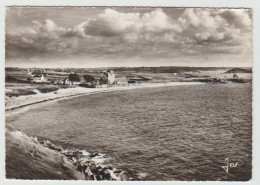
(74,78)
(103,80)
(88,78)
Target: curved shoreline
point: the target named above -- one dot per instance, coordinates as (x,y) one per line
(15,103)
(74,168)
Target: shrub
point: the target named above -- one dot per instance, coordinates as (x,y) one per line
(47,89)
(20,92)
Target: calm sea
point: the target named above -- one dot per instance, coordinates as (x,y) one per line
(165,133)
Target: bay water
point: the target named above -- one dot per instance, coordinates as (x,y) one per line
(162,133)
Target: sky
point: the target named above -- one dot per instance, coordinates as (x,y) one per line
(128,36)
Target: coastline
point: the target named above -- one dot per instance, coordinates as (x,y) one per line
(12,103)
(72,163)
(21,149)
(33,158)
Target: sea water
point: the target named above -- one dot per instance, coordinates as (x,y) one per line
(161,133)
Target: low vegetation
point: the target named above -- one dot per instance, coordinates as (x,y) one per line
(19,92)
(239,70)
(15,80)
(240,80)
(20,82)
(87,85)
(46,89)
(31,90)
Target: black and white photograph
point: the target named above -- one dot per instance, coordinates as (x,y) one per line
(128,93)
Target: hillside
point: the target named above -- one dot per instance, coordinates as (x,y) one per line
(239,70)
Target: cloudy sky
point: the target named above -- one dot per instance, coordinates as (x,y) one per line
(114,36)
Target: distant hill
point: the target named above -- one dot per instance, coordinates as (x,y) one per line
(239,70)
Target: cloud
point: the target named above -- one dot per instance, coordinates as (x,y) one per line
(207,26)
(51,26)
(111,34)
(217,37)
(131,26)
(152,26)
(199,25)
(112,23)
(158,21)
(199,19)
(238,18)
(215,19)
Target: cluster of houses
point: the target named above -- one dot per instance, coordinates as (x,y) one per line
(66,78)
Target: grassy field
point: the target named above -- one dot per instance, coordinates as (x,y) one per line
(19,81)
(19,92)
(18,89)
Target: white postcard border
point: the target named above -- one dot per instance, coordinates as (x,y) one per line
(254,4)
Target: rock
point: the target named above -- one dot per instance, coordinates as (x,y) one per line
(94,170)
(78,166)
(92,177)
(109,167)
(117,171)
(84,167)
(101,177)
(94,154)
(51,146)
(107,176)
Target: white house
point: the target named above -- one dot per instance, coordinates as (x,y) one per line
(40,79)
(111,77)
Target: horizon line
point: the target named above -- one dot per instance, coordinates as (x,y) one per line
(132,67)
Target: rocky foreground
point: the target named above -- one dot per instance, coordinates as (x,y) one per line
(87,163)
(29,158)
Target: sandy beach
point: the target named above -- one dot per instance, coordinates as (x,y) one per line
(25,100)
(35,153)
(128,93)
(60,165)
